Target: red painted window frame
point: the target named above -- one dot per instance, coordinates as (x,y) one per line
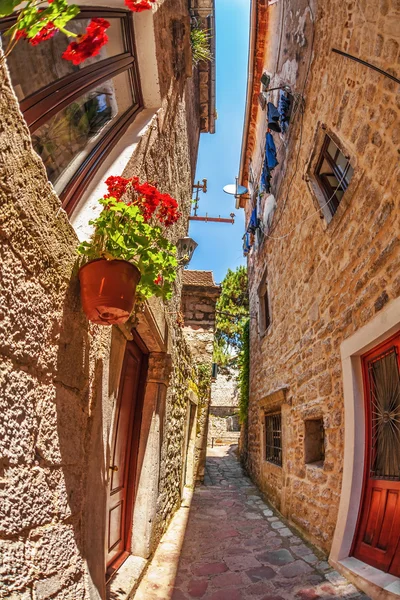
(46,102)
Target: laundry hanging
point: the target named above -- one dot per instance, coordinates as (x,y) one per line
(273,118)
(265,181)
(283,110)
(246,244)
(253,223)
(270,152)
(268,213)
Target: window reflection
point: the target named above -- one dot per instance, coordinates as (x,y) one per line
(34,67)
(68,137)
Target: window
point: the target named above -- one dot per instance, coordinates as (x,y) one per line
(264,308)
(333,173)
(76,114)
(273,438)
(314,441)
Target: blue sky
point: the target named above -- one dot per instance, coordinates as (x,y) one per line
(220,244)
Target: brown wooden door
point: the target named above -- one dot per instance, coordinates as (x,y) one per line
(124,457)
(377,540)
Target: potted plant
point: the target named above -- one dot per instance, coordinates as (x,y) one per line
(128,255)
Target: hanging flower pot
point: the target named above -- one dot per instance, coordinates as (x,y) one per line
(128,248)
(108,290)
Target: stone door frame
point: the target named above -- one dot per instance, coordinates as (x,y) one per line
(372,581)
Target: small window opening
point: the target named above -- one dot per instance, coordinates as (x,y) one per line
(314,442)
(333,173)
(264,307)
(273,438)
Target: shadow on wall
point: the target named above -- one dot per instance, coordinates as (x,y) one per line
(82,489)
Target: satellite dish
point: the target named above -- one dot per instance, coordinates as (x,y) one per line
(235,189)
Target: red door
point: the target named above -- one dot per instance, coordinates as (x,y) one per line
(124,457)
(377,541)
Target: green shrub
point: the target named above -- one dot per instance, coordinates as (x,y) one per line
(200,42)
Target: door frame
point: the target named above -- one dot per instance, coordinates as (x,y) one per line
(133,442)
(383,326)
(364,503)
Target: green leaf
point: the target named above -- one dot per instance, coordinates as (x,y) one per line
(7,7)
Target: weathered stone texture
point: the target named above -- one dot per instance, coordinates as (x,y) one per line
(325,281)
(224,407)
(59,375)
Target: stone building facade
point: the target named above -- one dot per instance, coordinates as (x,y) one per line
(199,297)
(224,427)
(323,267)
(61,378)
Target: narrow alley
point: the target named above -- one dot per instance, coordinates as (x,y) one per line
(235,547)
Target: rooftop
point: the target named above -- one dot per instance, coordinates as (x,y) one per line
(203,278)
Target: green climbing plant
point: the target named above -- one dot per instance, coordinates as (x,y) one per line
(244,373)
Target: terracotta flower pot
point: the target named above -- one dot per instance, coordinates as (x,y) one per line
(108,289)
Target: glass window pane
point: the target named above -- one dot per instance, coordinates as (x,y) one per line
(325,169)
(333,181)
(341,162)
(339,195)
(34,67)
(332,149)
(68,137)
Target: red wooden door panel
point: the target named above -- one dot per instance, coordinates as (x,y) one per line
(377,540)
(123,460)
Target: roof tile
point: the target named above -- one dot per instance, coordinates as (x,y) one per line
(199,278)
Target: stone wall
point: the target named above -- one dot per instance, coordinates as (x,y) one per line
(59,374)
(224,407)
(199,296)
(325,281)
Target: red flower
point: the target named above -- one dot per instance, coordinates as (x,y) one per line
(88,44)
(150,201)
(44,34)
(21,34)
(116,186)
(139,6)
(158,280)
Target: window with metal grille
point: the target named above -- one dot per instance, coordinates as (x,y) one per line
(76,114)
(333,173)
(273,438)
(384,391)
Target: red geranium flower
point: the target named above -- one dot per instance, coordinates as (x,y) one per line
(158,280)
(116,186)
(150,201)
(44,34)
(88,44)
(139,6)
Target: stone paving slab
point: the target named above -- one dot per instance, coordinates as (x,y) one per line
(236,547)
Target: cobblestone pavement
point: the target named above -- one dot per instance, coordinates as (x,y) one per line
(236,548)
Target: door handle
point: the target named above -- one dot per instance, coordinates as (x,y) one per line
(113,468)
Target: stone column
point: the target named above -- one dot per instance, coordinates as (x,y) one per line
(148,469)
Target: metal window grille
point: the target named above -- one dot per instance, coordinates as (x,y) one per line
(273,439)
(384,389)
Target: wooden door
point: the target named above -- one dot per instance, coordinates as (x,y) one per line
(377,540)
(124,458)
